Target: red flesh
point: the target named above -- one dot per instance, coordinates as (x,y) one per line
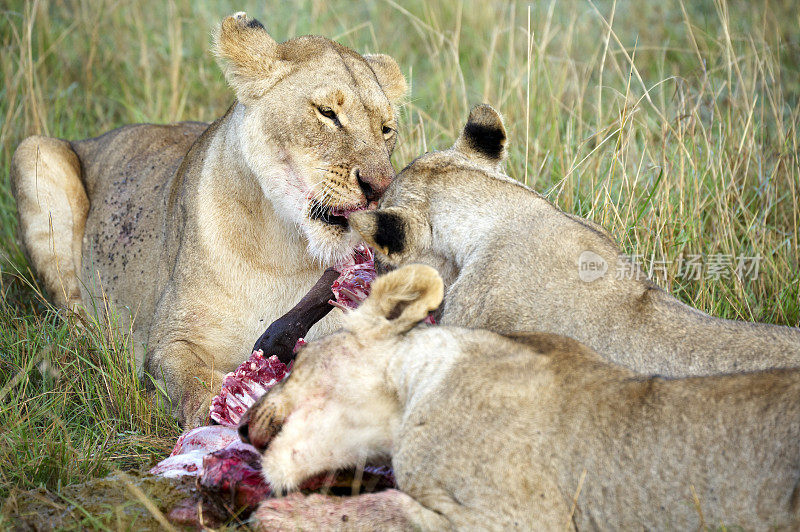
(225,466)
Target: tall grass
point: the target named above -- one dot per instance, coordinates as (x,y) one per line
(673,124)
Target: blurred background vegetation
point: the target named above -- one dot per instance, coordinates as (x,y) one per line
(673,124)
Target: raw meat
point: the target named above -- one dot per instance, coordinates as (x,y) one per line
(230,469)
(235,471)
(186,457)
(355,278)
(241,388)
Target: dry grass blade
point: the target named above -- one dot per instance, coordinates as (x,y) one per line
(568,525)
(140,496)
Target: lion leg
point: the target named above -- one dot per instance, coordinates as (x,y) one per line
(53,207)
(386,510)
(183,375)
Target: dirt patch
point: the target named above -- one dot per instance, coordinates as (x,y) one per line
(130,501)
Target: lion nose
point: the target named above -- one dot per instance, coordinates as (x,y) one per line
(243,430)
(243,427)
(260,434)
(244,433)
(373,184)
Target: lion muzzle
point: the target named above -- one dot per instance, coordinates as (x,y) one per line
(373,179)
(259,425)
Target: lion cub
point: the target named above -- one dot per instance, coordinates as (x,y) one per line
(512,261)
(531,431)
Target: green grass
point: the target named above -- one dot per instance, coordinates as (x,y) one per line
(674,125)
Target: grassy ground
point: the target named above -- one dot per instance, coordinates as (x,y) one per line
(672,124)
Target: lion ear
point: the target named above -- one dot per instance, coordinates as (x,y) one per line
(389,76)
(484,136)
(402,298)
(248,56)
(384,229)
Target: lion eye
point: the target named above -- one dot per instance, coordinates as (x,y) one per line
(387,130)
(327,112)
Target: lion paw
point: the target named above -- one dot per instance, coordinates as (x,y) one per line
(299,512)
(194,409)
(370,511)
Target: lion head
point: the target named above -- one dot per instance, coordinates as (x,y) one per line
(317,127)
(411,225)
(340,404)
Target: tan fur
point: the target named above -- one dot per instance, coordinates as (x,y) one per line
(510,260)
(499,433)
(57,203)
(402,299)
(204,234)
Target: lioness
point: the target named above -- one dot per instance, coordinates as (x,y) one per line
(208,233)
(532,431)
(511,262)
